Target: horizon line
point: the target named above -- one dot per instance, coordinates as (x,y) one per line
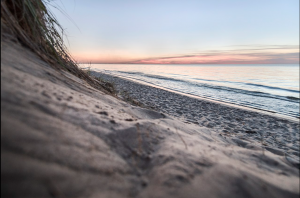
(190,63)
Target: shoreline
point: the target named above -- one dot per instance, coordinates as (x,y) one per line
(243,107)
(261,128)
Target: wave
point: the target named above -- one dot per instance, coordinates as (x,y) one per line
(153,76)
(251,84)
(270,87)
(285,105)
(224,88)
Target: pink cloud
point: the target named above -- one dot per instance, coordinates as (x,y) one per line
(259,55)
(226,58)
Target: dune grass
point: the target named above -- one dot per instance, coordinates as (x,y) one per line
(36,27)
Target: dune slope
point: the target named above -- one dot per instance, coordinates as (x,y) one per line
(61,137)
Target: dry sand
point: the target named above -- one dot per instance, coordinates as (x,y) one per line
(62,138)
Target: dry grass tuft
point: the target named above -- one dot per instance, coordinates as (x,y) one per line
(106,85)
(35,27)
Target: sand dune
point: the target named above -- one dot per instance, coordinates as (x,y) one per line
(62,138)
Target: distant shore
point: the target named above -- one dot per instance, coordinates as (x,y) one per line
(278,134)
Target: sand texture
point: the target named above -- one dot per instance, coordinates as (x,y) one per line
(62,138)
(272,132)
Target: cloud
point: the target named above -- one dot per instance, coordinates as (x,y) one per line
(249,54)
(238,54)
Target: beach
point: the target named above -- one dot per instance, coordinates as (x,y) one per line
(69,132)
(61,137)
(272,88)
(274,133)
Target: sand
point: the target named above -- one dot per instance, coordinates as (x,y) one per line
(275,133)
(62,138)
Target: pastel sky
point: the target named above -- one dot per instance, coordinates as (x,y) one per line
(181,32)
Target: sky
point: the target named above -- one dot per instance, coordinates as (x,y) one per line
(180,32)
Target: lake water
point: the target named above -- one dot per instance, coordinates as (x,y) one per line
(272,88)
